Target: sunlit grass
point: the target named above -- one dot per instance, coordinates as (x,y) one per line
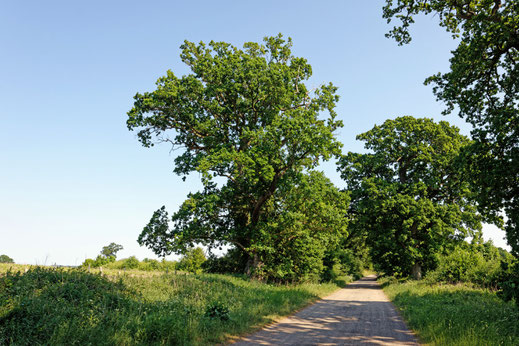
(64,306)
(456,314)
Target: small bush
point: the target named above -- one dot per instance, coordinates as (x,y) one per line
(331,273)
(149,265)
(217,310)
(130,263)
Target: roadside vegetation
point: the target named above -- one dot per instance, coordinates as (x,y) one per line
(458,302)
(71,306)
(455,314)
(468,299)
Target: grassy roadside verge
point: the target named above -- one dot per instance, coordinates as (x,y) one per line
(455,314)
(67,306)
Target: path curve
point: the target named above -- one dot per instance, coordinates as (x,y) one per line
(359,314)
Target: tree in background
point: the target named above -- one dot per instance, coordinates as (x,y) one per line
(248,124)
(108,255)
(408,196)
(483,85)
(111,250)
(192,260)
(6,259)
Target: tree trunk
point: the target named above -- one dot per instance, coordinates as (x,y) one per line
(417,271)
(253,263)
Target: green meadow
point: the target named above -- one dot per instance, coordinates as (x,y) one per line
(70,306)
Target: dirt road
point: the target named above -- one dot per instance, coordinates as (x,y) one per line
(359,314)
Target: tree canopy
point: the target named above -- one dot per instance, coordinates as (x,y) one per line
(246,121)
(482,85)
(408,195)
(6,259)
(111,250)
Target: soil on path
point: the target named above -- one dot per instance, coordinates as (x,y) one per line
(359,314)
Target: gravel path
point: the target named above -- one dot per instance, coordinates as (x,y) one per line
(359,314)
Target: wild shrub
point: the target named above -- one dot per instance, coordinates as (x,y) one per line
(509,281)
(479,264)
(130,263)
(46,304)
(149,264)
(100,261)
(217,310)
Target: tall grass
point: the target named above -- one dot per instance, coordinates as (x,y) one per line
(455,314)
(70,306)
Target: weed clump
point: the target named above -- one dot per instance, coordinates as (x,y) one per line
(217,310)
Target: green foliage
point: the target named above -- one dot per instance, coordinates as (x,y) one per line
(52,306)
(246,117)
(480,264)
(100,261)
(455,314)
(48,306)
(217,310)
(409,199)
(111,250)
(509,281)
(482,85)
(232,262)
(301,225)
(168,265)
(130,263)
(344,262)
(89,263)
(149,264)
(192,260)
(468,264)
(6,259)
(108,255)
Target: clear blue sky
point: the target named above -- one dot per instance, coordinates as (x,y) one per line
(73,178)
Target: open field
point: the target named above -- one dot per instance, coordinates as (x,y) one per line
(111,273)
(455,314)
(57,306)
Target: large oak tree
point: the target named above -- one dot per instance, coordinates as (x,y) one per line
(408,195)
(243,116)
